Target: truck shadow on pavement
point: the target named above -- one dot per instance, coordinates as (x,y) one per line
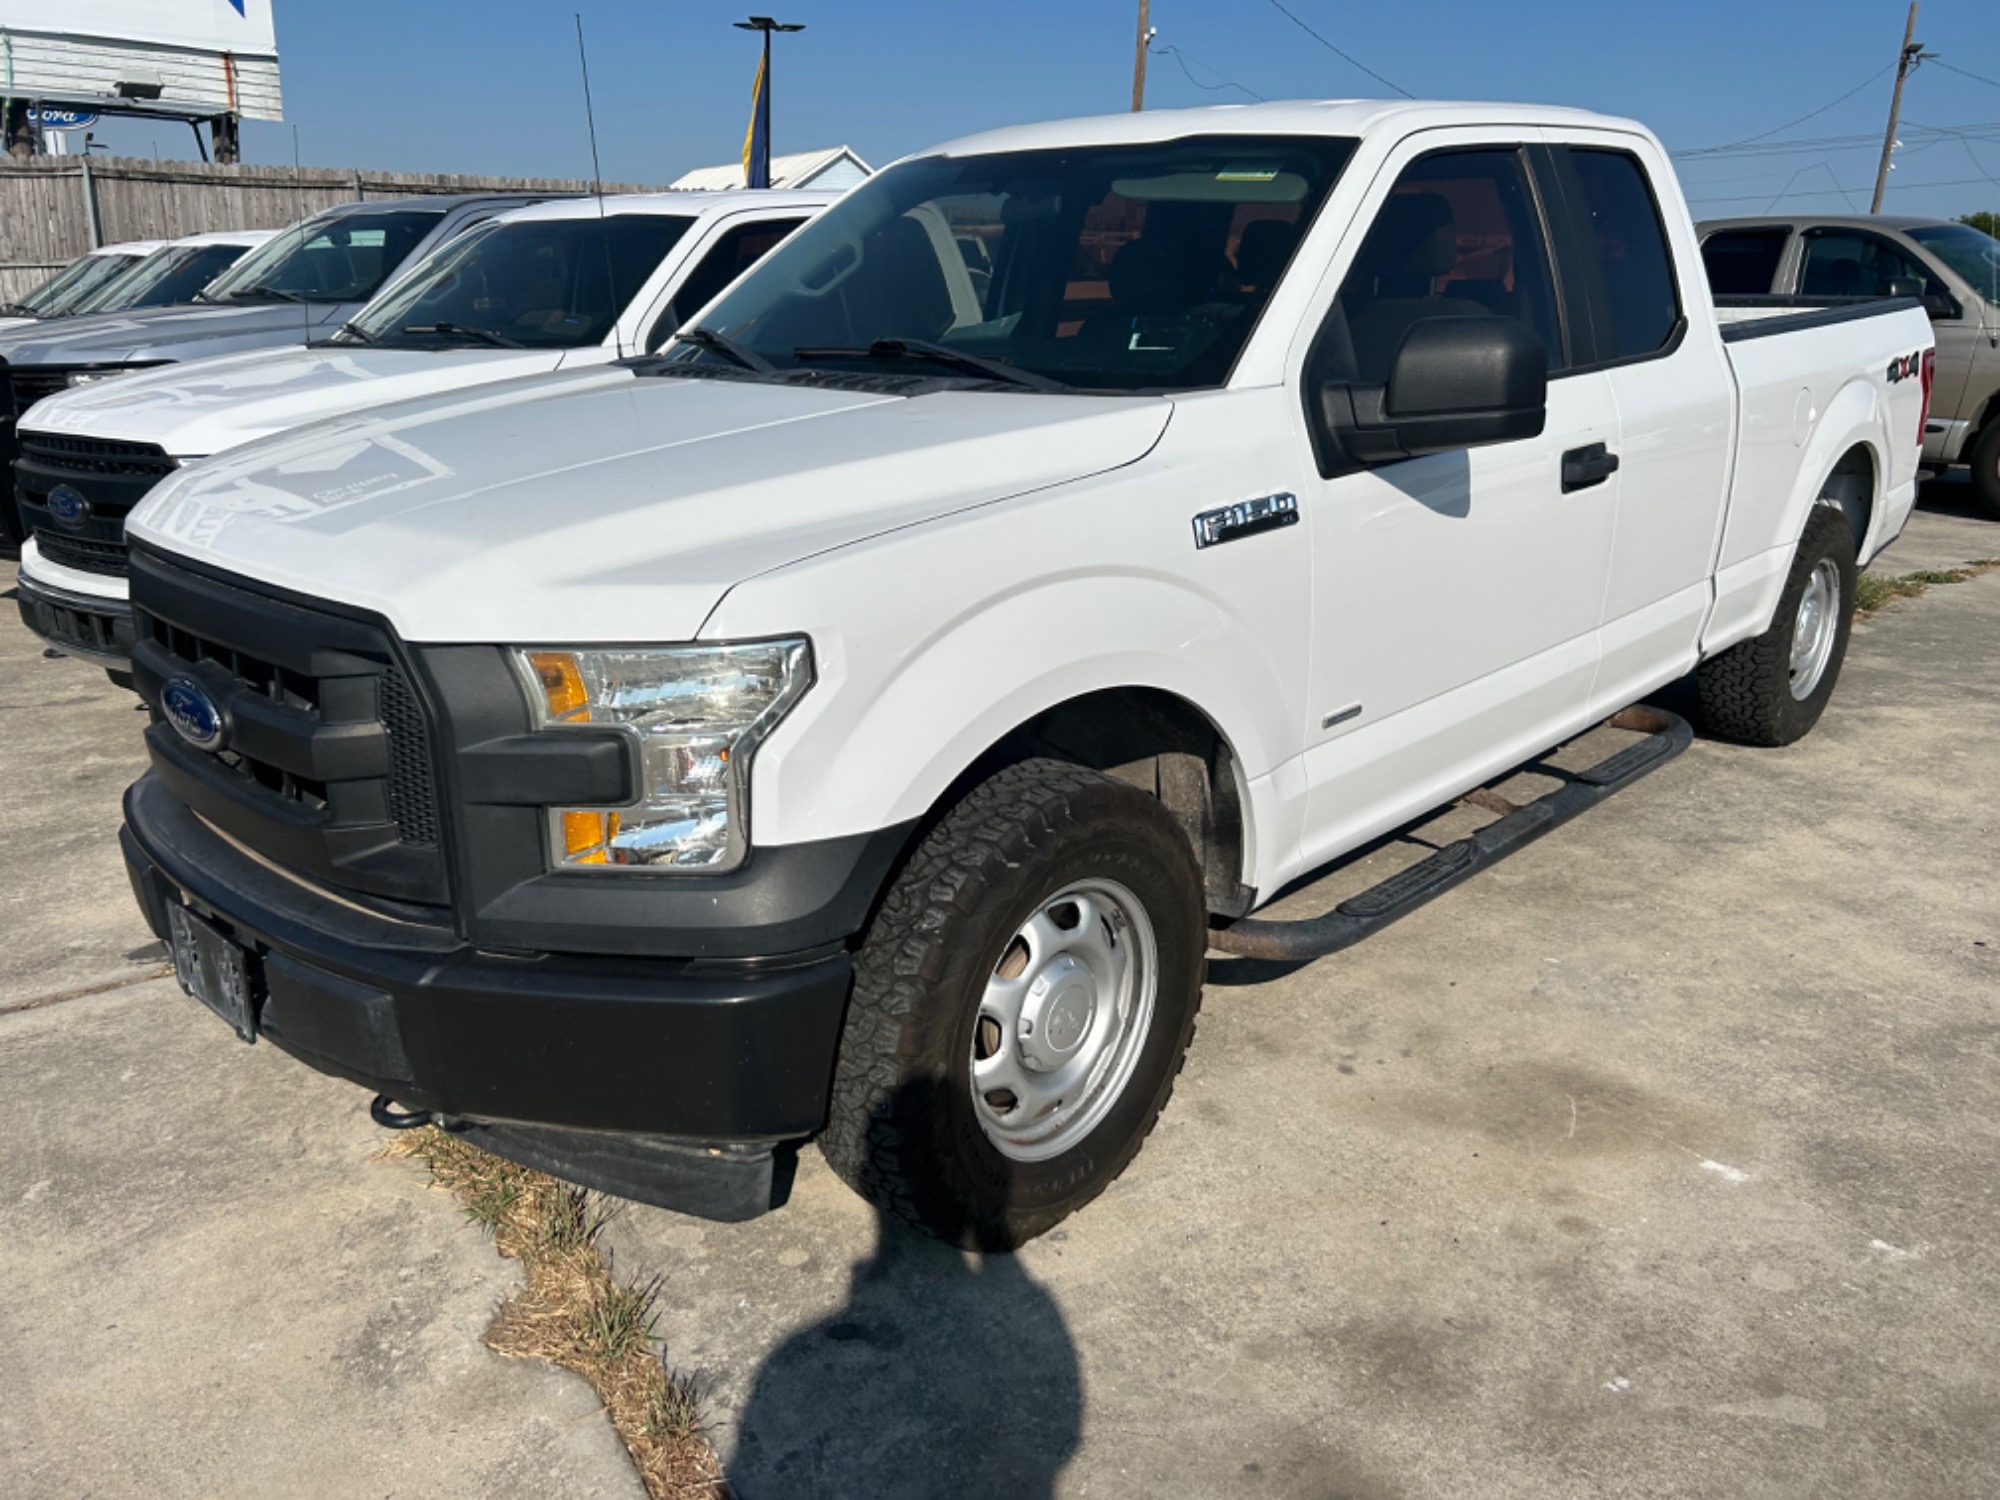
(946,1372)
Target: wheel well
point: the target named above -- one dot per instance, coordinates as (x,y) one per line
(1164,746)
(1850,489)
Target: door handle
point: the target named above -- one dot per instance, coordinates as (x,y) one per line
(1583,467)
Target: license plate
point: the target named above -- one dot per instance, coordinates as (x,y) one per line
(214,969)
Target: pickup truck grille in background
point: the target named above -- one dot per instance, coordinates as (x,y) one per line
(112,476)
(327,766)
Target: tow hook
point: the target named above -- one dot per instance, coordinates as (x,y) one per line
(390,1115)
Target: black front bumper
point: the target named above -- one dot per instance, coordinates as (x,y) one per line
(590,1066)
(97,630)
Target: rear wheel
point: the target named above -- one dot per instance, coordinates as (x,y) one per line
(1022,1005)
(1772,688)
(1986,471)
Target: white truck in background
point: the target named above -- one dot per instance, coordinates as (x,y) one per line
(860,721)
(522,293)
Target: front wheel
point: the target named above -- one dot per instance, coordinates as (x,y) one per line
(1022,1005)
(1772,688)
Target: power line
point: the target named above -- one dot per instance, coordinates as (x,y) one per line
(1345,57)
(1827,192)
(1184,58)
(1775,129)
(1962,73)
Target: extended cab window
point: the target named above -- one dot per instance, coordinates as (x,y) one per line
(1743,262)
(1458,236)
(1852,263)
(1107,268)
(728,258)
(1629,241)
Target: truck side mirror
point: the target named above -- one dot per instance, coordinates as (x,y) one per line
(1906,286)
(1454,383)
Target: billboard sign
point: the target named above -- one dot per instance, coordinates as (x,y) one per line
(178,57)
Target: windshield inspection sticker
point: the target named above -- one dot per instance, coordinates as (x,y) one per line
(1247,174)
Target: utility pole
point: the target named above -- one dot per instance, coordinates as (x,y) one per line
(1139,57)
(1912,54)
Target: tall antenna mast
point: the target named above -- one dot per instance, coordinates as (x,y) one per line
(597,183)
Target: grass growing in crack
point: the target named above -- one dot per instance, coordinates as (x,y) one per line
(573,1311)
(1872,591)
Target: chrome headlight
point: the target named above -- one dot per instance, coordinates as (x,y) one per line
(76,378)
(696,714)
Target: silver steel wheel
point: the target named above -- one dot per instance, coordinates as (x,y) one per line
(1816,628)
(1063,1020)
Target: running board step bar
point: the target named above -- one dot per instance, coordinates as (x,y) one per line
(1375,908)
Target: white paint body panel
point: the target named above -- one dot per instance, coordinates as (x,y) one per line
(964,561)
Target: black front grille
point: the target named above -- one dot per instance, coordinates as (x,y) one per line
(111,476)
(82,553)
(75,455)
(327,765)
(30,385)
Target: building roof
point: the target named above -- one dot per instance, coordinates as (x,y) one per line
(796,170)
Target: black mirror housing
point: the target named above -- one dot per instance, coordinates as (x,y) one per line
(1906,286)
(1454,383)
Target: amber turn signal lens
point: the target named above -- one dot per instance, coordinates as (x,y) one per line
(587,837)
(562,684)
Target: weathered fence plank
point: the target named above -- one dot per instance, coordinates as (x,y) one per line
(45,223)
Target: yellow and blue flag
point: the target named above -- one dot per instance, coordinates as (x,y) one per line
(757,139)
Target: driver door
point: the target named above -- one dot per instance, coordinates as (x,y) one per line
(1457,596)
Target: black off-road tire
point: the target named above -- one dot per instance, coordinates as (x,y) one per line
(1986,472)
(903,1130)
(1746,692)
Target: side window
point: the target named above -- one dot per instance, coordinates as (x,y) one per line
(1624,229)
(1851,263)
(1459,236)
(728,258)
(1743,262)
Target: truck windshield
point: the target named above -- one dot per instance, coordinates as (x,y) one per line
(79,281)
(166,277)
(539,283)
(1104,268)
(1974,255)
(344,259)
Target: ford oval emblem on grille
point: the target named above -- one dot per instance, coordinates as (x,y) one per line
(68,506)
(193,713)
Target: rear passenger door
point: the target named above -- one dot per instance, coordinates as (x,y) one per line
(1623,261)
(1456,596)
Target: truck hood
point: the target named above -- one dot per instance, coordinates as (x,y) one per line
(604,506)
(170,333)
(219,404)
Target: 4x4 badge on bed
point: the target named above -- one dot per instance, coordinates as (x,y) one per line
(194,715)
(67,505)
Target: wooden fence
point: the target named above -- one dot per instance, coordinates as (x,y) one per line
(47,204)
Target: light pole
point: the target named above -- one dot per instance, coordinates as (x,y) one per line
(757,143)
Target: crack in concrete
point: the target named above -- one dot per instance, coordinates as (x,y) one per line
(83,992)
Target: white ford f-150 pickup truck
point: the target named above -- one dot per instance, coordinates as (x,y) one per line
(523,293)
(859,721)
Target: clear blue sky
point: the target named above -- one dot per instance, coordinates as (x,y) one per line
(491,85)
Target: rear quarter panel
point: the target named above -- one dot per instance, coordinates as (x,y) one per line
(1807,399)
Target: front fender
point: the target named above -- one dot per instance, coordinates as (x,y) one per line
(933,643)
